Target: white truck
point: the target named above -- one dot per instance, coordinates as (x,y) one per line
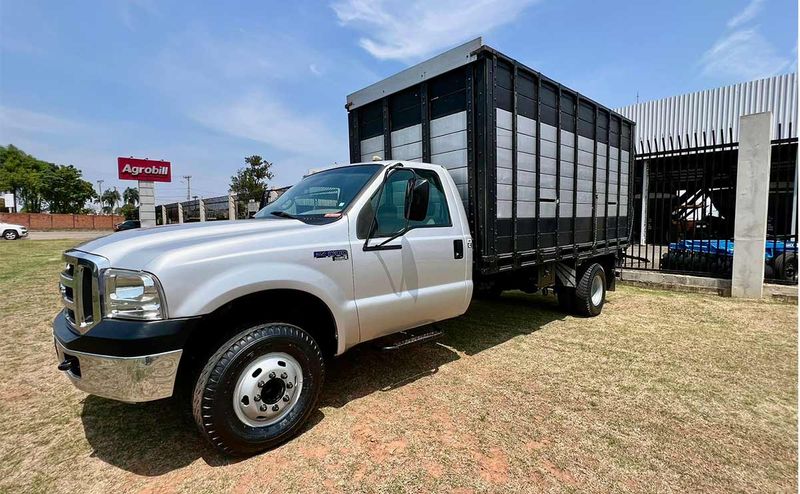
(243,315)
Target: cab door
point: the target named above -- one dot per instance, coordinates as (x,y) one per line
(420,277)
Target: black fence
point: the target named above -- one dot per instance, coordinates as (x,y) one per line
(781,247)
(215,208)
(686,223)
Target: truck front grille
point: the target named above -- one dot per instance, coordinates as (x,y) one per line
(80,290)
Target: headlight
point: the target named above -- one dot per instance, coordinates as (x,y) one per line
(132,295)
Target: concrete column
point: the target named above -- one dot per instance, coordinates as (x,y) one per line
(752,193)
(202,206)
(231,207)
(147,203)
(180,213)
(163,215)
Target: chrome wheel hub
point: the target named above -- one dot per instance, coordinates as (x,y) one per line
(268,389)
(597,291)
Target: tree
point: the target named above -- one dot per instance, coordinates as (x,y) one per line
(21,174)
(131,196)
(129,211)
(42,185)
(110,198)
(65,191)
(250,182)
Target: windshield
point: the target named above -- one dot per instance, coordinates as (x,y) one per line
(324,193)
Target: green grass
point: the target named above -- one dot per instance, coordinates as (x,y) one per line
(664,391)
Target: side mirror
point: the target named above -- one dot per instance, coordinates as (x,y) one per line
(417,195)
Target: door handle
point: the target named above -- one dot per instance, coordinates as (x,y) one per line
(458,249)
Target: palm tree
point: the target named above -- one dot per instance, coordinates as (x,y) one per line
(110,198)
(131,196)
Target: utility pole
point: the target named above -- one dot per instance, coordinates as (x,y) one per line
(100,196)
(188,186)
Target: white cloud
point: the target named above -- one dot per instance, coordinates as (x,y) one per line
(411,29)
(14,120)
(262,118)
(129,10)
(251,86)
(743,55)
(747,14)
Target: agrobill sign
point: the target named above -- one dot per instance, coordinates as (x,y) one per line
(146,170)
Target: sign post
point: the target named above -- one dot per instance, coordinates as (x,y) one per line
(146,173)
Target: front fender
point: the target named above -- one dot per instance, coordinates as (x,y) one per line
(208,294)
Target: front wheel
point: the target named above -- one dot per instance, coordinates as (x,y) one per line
(259,388)
(10,234)
(590,294)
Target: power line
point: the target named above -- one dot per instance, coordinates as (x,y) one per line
(188,186)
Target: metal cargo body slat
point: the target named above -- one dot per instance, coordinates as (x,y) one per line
(544,172)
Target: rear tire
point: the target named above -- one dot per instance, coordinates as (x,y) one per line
(786,266)
(10,235)
(258,389)
(590,293)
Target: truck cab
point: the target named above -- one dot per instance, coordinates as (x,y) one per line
(240,316)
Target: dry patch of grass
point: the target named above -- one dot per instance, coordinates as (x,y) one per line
(663,392)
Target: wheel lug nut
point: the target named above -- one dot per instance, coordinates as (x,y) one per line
(283,375)
(257,398)
(261,384)
(272,375)
(289,385)
(263,408)
(286,398)
(274,408)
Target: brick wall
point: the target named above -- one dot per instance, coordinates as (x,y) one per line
(44,221)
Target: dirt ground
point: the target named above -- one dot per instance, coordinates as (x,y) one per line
(663,392)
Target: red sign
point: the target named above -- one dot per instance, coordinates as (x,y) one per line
(146,170)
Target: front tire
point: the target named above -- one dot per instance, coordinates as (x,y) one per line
(590,294)
(259,388)
(10,235)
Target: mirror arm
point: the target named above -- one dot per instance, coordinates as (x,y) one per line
(375,212)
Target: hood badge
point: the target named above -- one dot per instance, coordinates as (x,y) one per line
(337,255)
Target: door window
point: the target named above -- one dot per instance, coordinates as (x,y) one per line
(390,203)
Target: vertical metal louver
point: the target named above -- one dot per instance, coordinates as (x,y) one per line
(80,289)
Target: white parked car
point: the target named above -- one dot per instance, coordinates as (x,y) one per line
(12,231)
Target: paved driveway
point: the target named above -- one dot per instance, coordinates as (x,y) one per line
(68,235)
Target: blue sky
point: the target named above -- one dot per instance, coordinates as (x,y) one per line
(203,84)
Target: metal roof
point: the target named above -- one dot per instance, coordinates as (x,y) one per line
(715,110)
(459,56)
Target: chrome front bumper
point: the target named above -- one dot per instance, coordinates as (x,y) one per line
(128,379)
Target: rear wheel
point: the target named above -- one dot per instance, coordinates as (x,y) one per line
(259,388)
(10,234)
(590,293)
(786,266)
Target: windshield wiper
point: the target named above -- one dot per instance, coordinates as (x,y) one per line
(284,214)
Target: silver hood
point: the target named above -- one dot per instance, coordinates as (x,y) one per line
(135,249)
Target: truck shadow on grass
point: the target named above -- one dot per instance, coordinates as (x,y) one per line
(155,438)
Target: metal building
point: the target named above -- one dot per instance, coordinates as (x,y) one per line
(685,178)
(717,109)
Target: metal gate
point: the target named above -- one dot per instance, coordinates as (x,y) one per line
(685,203)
